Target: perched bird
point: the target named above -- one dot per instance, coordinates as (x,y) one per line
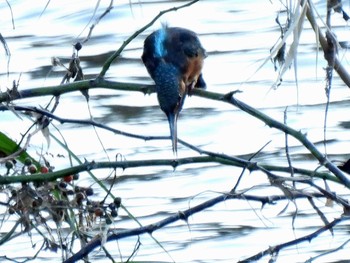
(174,58)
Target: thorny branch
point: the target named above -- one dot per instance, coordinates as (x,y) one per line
(181,215)
(286,184)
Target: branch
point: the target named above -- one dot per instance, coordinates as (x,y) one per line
(126,42)
(275,250)
(181,215)
(342,72)
(215,157)
(83,85)
(88,166)
(91,122)
(229,98)
(108,9)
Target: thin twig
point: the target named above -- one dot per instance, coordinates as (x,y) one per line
(108,9)
(287,146)
(275,250)
(117,53)
(338,66)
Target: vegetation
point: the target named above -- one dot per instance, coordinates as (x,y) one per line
(39,199)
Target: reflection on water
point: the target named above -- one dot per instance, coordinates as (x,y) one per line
(238,36)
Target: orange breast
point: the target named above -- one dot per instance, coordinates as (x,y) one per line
(193,71)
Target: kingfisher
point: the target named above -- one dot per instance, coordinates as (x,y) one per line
(174,59)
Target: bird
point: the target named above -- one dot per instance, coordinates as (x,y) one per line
(174,57)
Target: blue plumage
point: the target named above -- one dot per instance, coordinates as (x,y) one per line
(174,58)
(159,45)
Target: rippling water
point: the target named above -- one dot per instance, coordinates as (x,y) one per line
(237,36)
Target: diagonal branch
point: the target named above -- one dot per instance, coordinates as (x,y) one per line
(229,98)
(138,32)
(181,215)
(275,250)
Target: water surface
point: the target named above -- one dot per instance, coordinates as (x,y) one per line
(238,36)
